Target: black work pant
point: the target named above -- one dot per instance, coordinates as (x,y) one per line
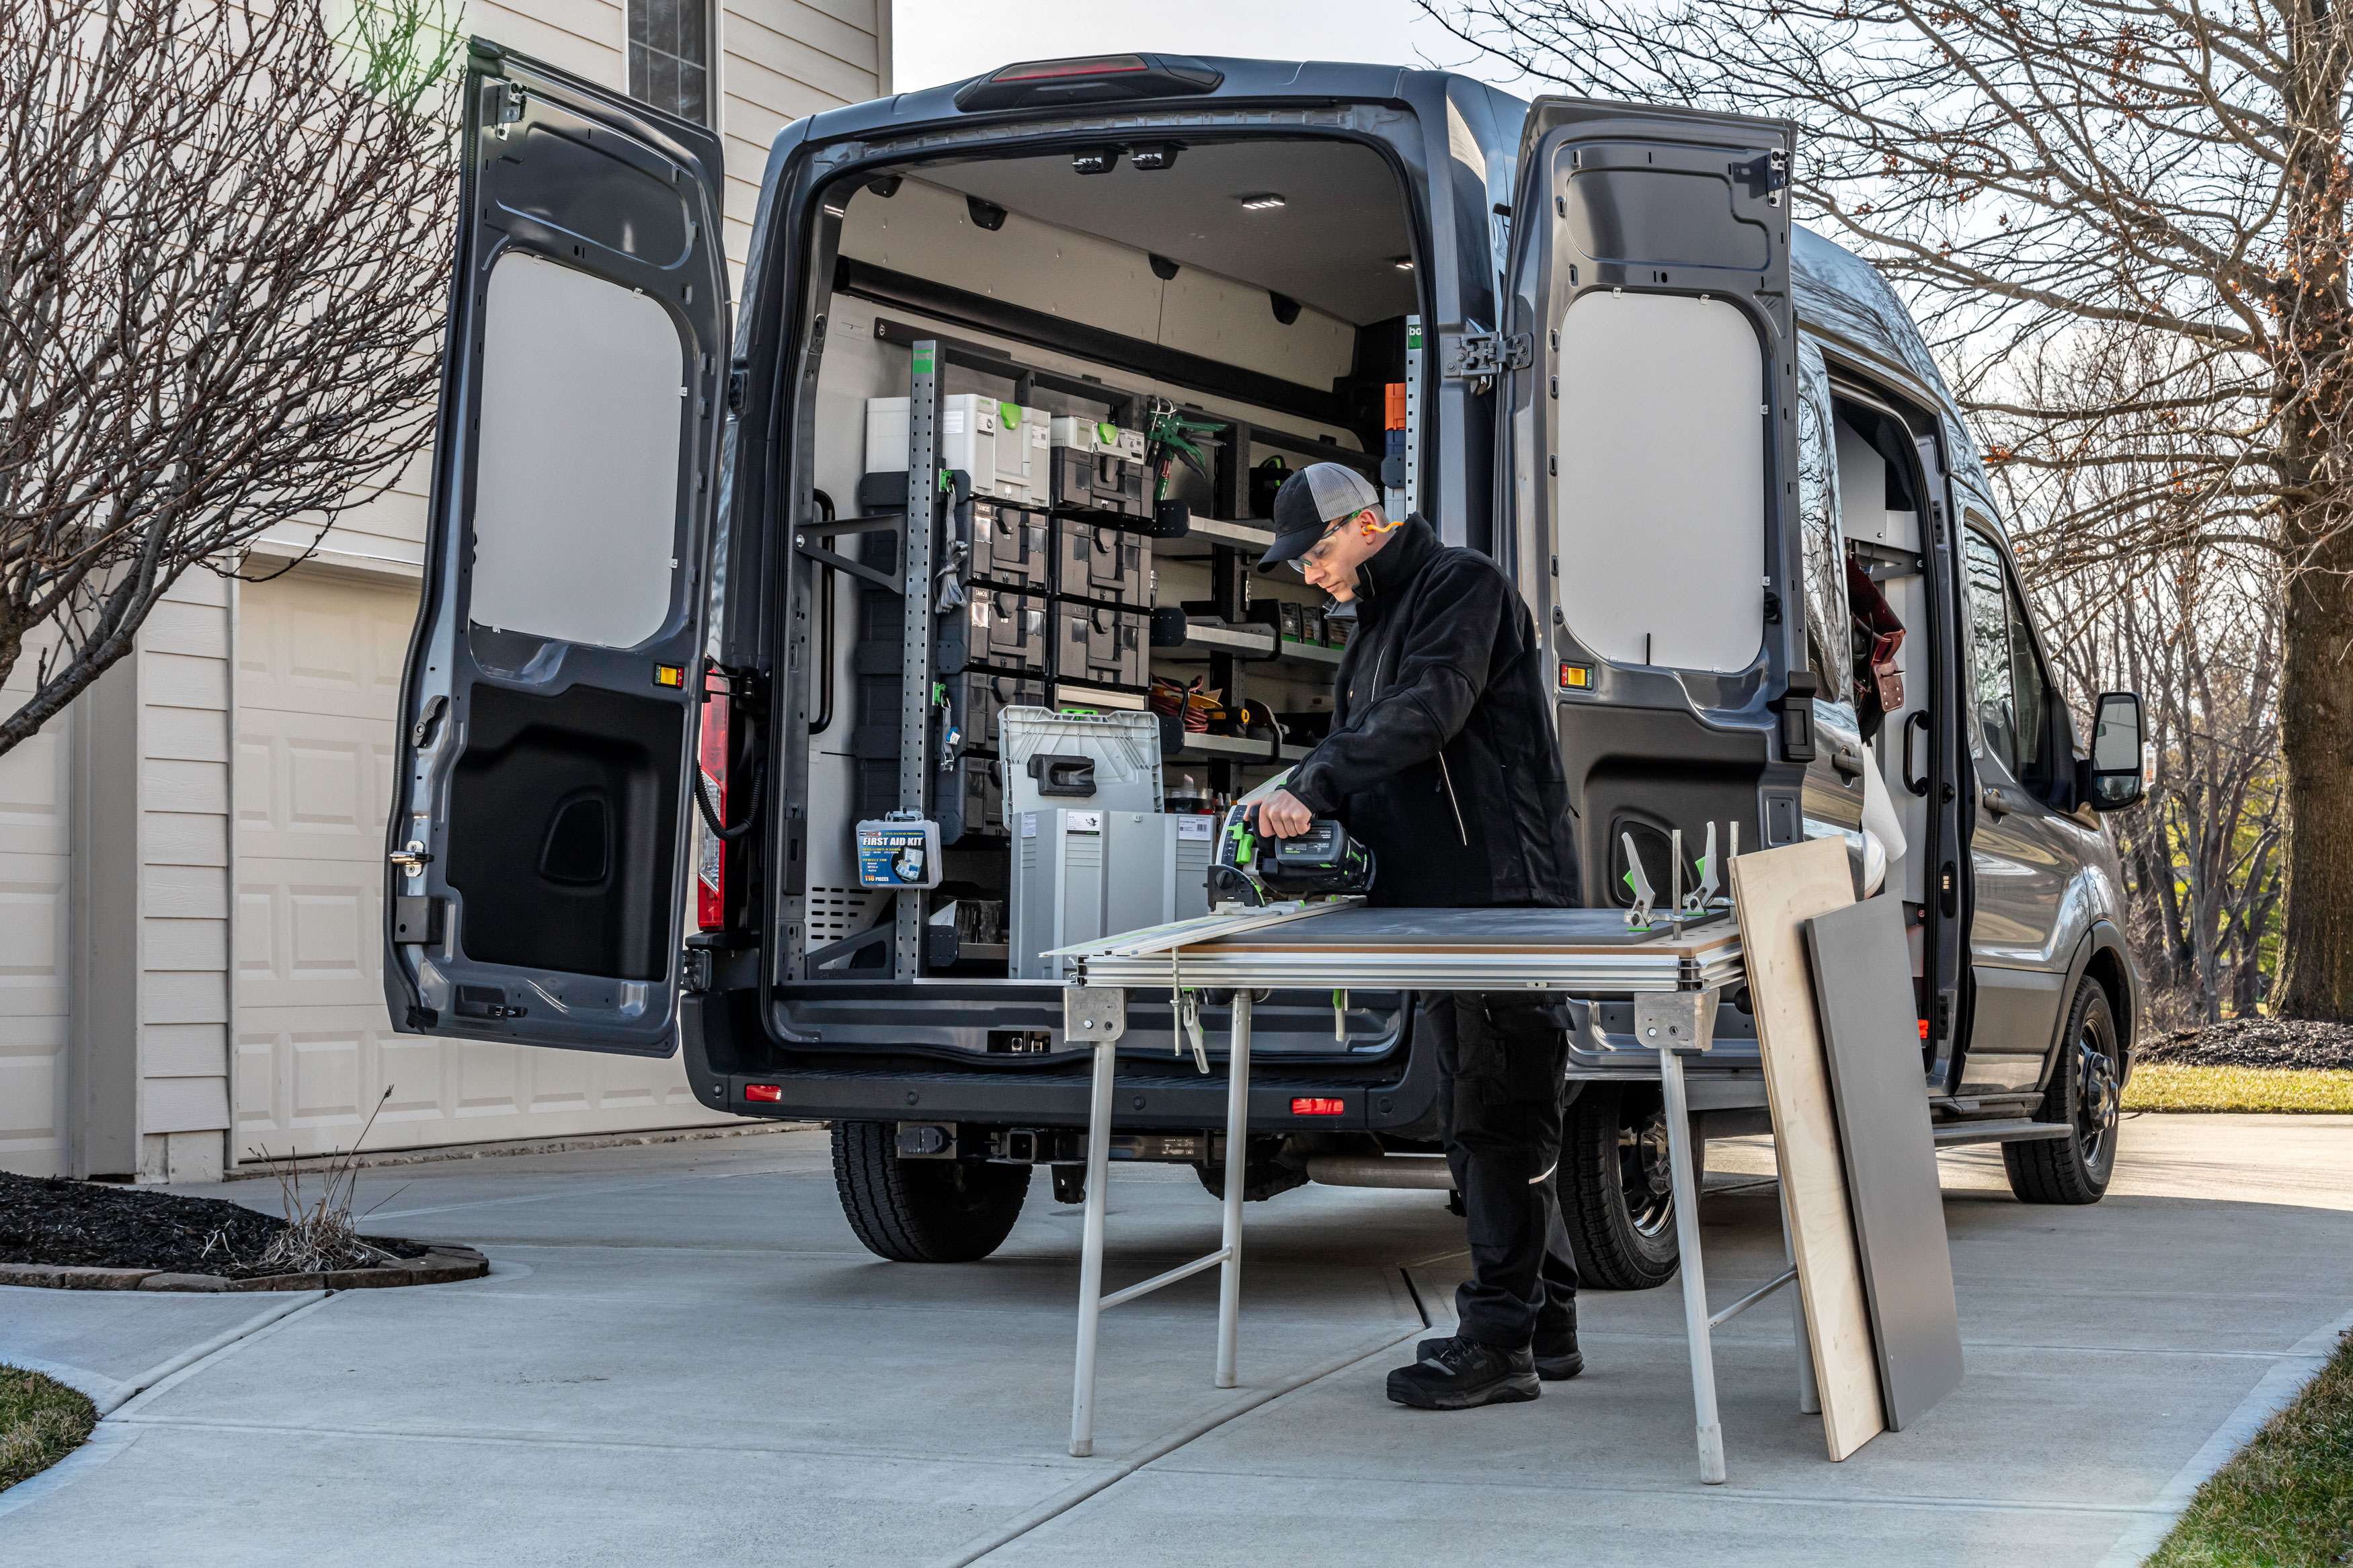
(1501,1061)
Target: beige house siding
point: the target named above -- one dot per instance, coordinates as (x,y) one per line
(35,938)
(190,883)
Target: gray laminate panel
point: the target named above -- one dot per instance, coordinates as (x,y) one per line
(1863,987)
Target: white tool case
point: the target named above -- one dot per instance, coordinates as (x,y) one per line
(967,436)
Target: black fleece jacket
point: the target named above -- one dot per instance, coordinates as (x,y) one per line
(1442,754)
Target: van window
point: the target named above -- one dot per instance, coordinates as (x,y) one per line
(2013,697)
(1662,487)
(575,491)
(1819,511)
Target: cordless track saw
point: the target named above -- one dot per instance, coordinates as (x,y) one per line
(1252,870)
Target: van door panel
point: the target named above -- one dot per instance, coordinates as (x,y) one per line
(1651,448)
(2021,853)
(541,815)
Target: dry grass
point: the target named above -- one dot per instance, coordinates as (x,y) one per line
(41,1421)
(321,1233)
(2285,1500)
(2160,1086)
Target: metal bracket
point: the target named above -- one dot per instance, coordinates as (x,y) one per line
(1096,1013)
(1478,354)
(1680,1021)
(1767,177)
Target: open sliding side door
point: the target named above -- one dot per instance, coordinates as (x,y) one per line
(539,821)
(1649,454)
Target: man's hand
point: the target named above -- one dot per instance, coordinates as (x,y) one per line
(1280,816)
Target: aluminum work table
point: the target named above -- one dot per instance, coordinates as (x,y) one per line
(1673,972)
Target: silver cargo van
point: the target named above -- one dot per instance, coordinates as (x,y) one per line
(946,528)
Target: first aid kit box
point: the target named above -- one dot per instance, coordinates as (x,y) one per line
(898,853)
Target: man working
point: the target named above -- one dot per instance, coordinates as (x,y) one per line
(1441,758)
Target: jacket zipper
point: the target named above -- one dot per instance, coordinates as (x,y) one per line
(1447,775)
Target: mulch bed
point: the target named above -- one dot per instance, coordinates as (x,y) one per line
(2256,1043)
(95,1236)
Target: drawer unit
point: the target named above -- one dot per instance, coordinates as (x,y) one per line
(978,696)
(1102,643)
(970,800)
(1096,561)
(1010,547)
(1098,482)
(1000,627)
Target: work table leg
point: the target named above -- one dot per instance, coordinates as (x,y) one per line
(1694,1275)
(1229,1272)
(1091,1250)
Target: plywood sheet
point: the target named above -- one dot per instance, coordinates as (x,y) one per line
(1775,892)
(1863,996)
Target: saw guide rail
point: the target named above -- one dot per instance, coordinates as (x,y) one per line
(1675,974)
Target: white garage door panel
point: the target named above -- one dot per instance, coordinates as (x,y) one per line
(318,681)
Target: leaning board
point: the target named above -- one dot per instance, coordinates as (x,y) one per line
(1775,892)
(1862,993)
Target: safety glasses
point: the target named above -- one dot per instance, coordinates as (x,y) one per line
(1313,553)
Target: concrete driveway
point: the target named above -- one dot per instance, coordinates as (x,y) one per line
(683,1356)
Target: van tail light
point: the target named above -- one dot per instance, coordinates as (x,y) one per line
(1090,78)
(1317,1106)
(771,1092)
(711,878)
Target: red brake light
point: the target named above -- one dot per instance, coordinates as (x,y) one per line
(767,1092)
(1090,65)
(711,878)
(1317,1106)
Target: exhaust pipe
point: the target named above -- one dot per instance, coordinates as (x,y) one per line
(1426,1173)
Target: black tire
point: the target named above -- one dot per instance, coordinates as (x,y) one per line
(2085,1094)
(1614,1187)
(922,1211)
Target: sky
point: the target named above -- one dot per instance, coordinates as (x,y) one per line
(937,41)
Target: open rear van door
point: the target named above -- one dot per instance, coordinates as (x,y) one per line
(539,815)
(1649,449)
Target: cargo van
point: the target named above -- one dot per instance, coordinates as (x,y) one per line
(794,672)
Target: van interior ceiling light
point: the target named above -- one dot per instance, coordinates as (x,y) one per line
(1402,263)
(1152,155)
(1258,203)
(1095,160)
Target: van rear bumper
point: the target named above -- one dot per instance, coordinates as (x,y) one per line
(1152,1092)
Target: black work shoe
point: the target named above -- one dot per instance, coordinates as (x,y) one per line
(1462,1374)
(1556,1356)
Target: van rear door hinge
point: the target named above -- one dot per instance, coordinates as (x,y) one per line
(1478,354)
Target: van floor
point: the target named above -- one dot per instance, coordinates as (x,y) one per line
(682,1357)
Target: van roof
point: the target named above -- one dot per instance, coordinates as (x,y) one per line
(1837,294)
(1243,79)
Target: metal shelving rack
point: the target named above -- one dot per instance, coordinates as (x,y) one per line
(1231,540)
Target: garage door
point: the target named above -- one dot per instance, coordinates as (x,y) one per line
(319,662)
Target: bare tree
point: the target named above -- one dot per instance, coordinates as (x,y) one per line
(221,277)
(2194,627)
(2038,167)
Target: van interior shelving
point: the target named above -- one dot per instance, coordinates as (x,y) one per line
(1268,291)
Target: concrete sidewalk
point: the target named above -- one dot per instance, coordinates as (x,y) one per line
(684,1357)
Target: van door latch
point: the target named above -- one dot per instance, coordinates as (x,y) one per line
(1478,354)
(412,860)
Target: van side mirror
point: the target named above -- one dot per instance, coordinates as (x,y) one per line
(2114,768)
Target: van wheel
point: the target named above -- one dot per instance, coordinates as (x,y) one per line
(1614,1189)
(922,1211)
(2084,1093)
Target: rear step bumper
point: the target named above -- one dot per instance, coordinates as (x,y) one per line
(1952,1134)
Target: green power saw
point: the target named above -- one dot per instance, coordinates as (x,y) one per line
(1253,870)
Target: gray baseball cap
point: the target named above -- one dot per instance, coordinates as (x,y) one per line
(1310,502)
